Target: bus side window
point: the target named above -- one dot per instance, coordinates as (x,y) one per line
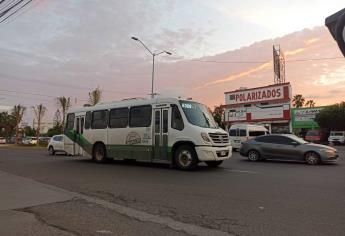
(99,119)
(118,118)
(140,116)
(176,118)
(70,121)
(88,120)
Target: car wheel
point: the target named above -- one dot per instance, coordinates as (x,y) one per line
(99,153)
(312,158)
(185,158)
(253,155)
(213,163)
(51,151)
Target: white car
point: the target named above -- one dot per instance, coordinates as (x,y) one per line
(56,144)
(2,140)
(337,137)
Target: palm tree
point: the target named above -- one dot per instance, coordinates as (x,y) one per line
(39,111)
(298,100)
(18,113)
(64,103)
(310,103)
(95,96)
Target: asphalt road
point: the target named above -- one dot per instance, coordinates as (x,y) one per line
(240,197)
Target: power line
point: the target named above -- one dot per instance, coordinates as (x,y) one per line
(262,62)
(16,11)
(16,6)
(64,85)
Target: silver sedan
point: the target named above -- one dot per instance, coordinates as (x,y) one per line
(287,147)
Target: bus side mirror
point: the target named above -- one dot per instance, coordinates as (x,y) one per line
(336,25)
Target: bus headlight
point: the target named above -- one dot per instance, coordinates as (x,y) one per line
(205,137)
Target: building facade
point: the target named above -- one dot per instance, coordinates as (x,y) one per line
(269,106)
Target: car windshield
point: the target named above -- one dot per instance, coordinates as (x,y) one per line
(198,114)
(337,134)
(297,139)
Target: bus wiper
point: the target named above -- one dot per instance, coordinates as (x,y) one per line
(207,120)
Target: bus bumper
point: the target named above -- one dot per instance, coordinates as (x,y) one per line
(207,153)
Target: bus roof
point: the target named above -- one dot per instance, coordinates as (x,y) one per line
(125,103)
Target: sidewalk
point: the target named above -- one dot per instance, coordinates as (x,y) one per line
(17,193)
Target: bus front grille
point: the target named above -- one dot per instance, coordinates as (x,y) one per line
(219,138)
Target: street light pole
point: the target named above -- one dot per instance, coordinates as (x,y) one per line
(153,62)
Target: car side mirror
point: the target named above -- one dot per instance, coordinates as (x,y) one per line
(336,25)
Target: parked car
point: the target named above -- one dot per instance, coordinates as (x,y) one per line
(242,132)
(2,140)
(287,147)
(29,140)
(44,139)
(317,136)
(337,137)
(56,144)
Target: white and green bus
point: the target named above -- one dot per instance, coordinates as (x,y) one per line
(163,130)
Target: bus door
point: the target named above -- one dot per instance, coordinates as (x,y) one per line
(79,132)
(160,142)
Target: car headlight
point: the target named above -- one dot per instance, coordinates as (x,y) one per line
(328,151)
(205,137)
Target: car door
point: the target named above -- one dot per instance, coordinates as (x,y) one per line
(285,148)
(266,146)
(58,142)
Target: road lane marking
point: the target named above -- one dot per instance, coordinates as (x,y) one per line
(242,171)
(133,213)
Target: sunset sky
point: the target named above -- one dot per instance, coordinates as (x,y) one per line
(67,48)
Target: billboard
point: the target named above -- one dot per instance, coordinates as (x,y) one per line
(258,95)
(304,117)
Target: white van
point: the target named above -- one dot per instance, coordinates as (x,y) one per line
(337,137)
(243,132)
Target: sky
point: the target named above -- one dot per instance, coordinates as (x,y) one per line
(67,48)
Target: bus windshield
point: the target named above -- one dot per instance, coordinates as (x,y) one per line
(198,114)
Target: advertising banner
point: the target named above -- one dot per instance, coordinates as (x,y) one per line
(237,114)
(304,117)
(263,94)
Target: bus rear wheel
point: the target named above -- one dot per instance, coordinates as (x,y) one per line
(99,154)
(186,158)
(213,163)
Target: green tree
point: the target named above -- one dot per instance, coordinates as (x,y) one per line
(18,113)
(298,100)
(310,103)
(95,96)
(64,104)
(7,124)
(54,131)
(332,117)
(218,113)
(39,111)
(28,131)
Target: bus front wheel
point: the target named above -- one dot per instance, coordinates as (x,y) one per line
(186,158)
(99,154)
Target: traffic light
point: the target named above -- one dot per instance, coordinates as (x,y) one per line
(336,25)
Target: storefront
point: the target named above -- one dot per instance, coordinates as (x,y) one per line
(269,106)
(303,119)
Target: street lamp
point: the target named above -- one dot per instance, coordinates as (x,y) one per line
(154,54)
